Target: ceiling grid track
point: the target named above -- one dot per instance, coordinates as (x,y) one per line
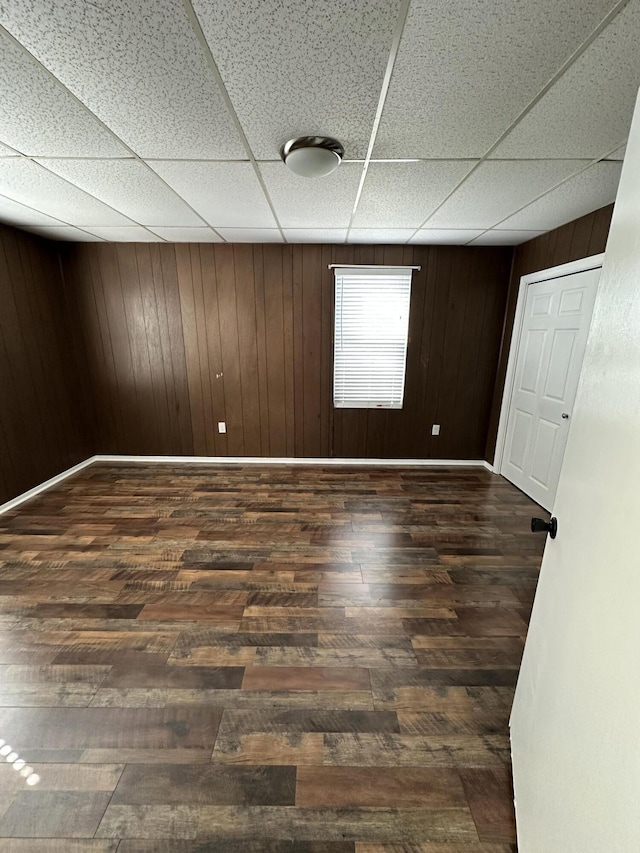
(608,18)
(213,65)
(411,234)
(546,192)
(84,228)
(133,154)
(386,80)
(42,213)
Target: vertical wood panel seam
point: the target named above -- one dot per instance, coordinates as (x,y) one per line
(126,317)
(25,362)
(36,321)
(164,391)
(154,391)
(210,435)
(197,382)
(100,284)
(208,379)
(235,302)
(157,278)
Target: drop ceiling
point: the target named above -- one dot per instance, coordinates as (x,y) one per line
(463,122)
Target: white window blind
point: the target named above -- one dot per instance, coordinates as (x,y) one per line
(370,338)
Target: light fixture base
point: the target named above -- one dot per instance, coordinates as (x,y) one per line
(312,156)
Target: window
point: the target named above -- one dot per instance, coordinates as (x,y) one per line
(370,338)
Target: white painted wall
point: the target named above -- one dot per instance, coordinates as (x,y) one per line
(575,724)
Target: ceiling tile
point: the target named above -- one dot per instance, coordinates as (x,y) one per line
(300,68)
(588,191)
(497,188)
(315,235)
(65,232)
(589,109)
(187,235)
(34,108)
(464,72)
(225,194)
(251,235)
(403,195)
(137,64)
(5,151)
(306,203)
(14,213)
(445,236)
(27,182)
(504,237)
(127,234)
(130,187)
(379,235)
(619,153)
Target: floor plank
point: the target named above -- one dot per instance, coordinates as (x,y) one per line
(207,785)
(405,787)
(204,823)
(262,659)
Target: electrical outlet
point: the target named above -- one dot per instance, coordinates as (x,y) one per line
(435,429)
(222,427)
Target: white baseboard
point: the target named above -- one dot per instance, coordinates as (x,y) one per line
(295,460)
(42,487)
(243,460)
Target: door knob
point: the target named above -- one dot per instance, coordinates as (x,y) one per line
(539,525)
(565,416)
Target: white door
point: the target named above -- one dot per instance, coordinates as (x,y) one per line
(556,320)
(575,724)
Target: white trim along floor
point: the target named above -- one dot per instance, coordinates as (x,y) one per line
(240,460)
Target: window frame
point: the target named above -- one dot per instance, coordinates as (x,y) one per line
(345,391)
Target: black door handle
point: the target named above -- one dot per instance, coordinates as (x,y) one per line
(539,525)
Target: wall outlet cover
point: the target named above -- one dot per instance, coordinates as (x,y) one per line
(435,429)
(222,427)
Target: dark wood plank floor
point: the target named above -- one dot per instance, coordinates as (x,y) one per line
(262,659)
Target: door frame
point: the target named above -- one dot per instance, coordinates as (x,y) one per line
(582,265)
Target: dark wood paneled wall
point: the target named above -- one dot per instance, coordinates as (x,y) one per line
(158,342)
(124,304)
(41,413)
(577,239)
(457,309)
(178,337)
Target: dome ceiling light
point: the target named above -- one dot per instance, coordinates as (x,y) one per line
(312,156)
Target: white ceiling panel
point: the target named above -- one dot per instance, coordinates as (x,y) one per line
(187,235)
(65,232)
(321,63)
(498,188)
(137,64)
(465,73)
(589,109)
(403,195)
(251,235)
(126,234)
(588,191)
(34,108)
(226,194)
(130,187)
(379,235)
(14,213)
(466,70)
(445,236)
(316,235)
(302,203)
(504,237)
(27,182)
